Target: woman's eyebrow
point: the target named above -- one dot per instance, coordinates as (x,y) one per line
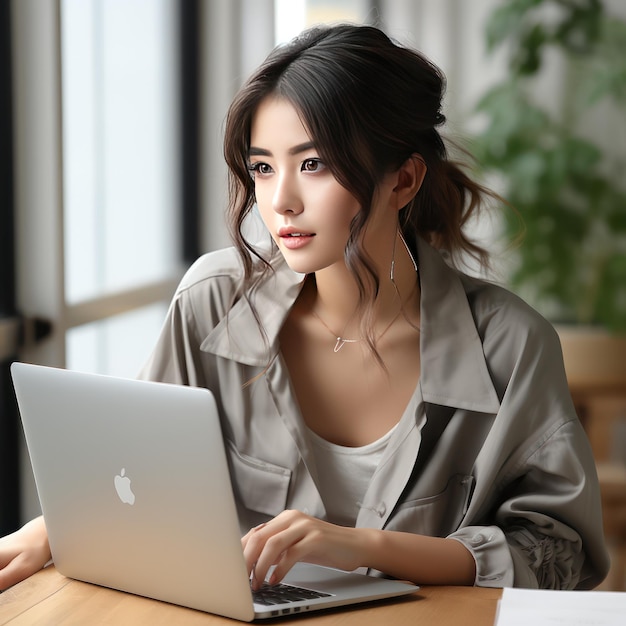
(301,147)
(258,152)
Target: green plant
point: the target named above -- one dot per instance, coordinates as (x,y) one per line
(568,190)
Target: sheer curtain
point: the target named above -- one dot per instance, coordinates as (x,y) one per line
(235,37)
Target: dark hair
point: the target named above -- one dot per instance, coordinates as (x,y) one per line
(368,105)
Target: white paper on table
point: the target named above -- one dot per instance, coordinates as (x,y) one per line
(524,607)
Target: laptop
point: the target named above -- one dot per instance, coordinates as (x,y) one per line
(134,486)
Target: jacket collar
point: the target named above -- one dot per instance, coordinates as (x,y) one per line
(453,367)
(454,370)
(246,333)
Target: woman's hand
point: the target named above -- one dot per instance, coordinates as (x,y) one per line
(293,536)
(23,553)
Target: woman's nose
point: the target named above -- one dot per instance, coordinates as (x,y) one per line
(286,197)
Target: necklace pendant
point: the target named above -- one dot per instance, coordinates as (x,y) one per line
(340,344)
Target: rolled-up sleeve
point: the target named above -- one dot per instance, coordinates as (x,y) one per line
(492,555)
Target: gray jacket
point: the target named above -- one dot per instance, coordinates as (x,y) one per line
(501,462)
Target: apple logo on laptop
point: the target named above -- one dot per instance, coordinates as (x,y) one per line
(122,486)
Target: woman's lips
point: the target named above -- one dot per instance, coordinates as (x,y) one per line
(292,238)
(295,239)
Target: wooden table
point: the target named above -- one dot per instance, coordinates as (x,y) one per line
(50,598)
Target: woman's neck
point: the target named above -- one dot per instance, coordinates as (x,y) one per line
(333,295)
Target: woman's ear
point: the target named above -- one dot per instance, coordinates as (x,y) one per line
(410,177)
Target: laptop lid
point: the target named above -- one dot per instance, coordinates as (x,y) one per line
(135,490)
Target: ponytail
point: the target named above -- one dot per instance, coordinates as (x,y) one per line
(446,202)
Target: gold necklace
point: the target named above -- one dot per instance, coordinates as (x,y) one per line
(341,341)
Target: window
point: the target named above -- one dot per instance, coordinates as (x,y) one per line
(97,180)
(121,199)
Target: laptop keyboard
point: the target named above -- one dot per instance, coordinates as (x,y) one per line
(281,594)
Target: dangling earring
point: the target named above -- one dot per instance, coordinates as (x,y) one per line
(393,257)
(392,277)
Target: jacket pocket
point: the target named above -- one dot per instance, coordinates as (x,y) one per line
(436,515)
(259,486)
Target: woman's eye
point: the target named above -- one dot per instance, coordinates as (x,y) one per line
(259,168)
(312,165)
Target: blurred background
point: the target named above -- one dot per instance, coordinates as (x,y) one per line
(112,179)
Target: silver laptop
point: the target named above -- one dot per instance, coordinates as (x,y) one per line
(135,490)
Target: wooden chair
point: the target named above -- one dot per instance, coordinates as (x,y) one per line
(613,487)
(596,372)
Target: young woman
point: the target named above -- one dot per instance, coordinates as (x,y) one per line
(380,409)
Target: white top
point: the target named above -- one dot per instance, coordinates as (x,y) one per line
(344,474)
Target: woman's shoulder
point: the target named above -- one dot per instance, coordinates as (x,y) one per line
(518,342)
(224,263)
(515,337)
(221,270)
(497,309)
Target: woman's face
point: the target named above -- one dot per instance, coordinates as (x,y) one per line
(307,212)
